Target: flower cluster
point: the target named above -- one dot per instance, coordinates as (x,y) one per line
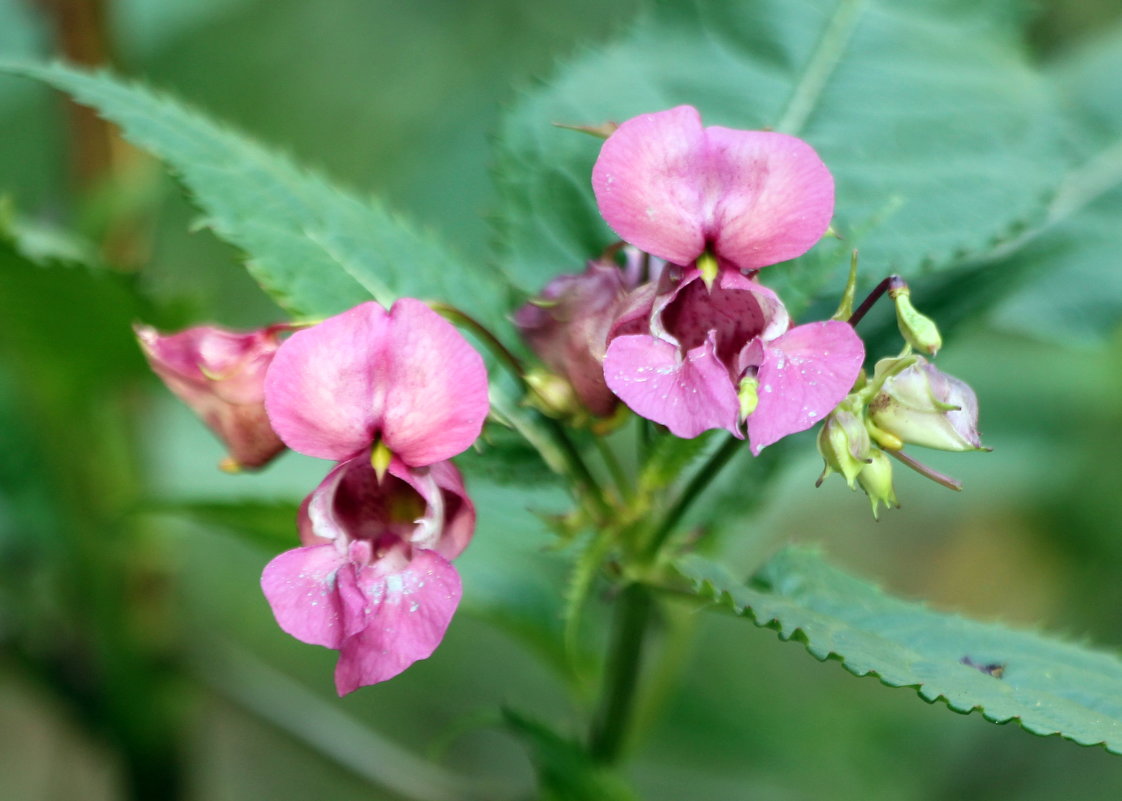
(683,333)
(907,401)
(698,342)
(390,397)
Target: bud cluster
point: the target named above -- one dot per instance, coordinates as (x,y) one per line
(907,401)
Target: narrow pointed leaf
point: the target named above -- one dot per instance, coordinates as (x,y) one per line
(315,248)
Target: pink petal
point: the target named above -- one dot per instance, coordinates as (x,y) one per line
(405,617)
(672,188)
(649,182)
(688,396)
(435,387)
(776,196)
(301,587)
(458,511)
(805,373)
(325,387)
(220,374)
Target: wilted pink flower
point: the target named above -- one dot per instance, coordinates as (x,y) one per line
(220,374)
(374,578)
(567,326)
(674,189)
(683,354)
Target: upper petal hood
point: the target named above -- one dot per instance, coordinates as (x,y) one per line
(673,188)
(405,375)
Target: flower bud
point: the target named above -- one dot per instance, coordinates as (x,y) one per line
(876,480)
(220,374)
(844,444)
(567,327)
(918,404)
(918,330)
(552,394)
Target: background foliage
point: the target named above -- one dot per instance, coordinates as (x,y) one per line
(101,474)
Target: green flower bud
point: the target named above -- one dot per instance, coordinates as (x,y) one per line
(876,480)
(552,395)
(918,330)
(920,405)
(844,444)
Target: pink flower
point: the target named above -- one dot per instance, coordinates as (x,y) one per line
(675,189)
(220,374)
(694,359)
(373,578)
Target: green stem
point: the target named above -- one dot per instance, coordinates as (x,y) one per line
(614,467)
(891,283)
(584,478)
(621,676)
(700,480)
(504,354)
(580,472)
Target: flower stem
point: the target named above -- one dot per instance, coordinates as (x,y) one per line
(696,486)
(892,282)
(623,483)
(621,676)
(576,462)
(505,355)
(927,472)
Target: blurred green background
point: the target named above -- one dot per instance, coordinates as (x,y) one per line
(137,656)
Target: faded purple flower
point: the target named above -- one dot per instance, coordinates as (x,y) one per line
(220,374)
(567,327)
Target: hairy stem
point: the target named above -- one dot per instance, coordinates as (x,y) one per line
(615,714)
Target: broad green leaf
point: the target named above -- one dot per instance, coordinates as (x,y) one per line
(943,140)
(1047,686)
(315,248)
(1070,284)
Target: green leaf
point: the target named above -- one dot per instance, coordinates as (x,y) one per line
(1047,686)
(943,140)
(271,525)
(316,249)
(1069,286)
